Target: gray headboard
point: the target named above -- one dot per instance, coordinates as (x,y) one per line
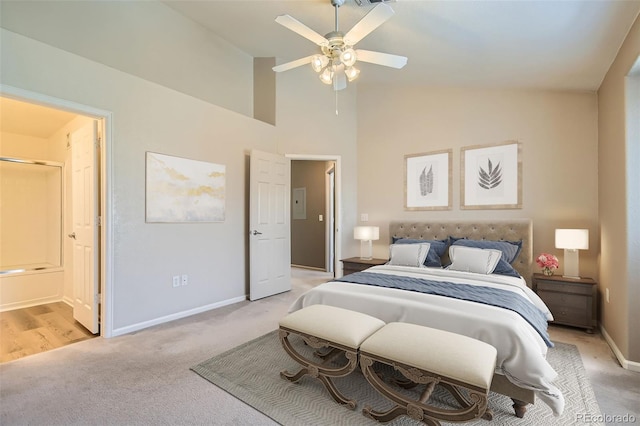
(512,230)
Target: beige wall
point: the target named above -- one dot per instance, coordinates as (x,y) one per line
(307,124)
(618,205)
(142,38)
(148,116)
(558,132)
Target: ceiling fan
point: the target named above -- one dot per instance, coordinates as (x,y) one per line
(335,65)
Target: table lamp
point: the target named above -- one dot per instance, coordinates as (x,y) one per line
(366,234)
(572,240)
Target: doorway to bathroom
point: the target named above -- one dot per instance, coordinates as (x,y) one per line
(50,191)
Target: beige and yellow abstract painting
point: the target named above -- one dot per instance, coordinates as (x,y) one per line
(184,190)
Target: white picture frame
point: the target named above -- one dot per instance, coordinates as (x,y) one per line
(491,176)
(183,190)
(428,181)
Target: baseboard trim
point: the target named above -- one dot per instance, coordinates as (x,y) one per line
(178,315)
(313,268)
(29,303)
(626,364)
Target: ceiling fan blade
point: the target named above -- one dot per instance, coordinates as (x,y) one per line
(379,58)
(298,27)
(293,64)
(372,20)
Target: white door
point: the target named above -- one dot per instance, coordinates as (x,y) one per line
(269,224)
(84,186)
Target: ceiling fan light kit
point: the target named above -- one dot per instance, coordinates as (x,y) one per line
(335,65)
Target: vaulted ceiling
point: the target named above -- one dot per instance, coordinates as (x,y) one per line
(555,44)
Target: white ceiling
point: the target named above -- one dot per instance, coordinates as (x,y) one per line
(555,44)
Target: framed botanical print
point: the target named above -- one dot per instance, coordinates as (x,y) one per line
(491,176)
(427,183)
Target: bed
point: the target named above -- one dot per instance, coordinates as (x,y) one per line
(406,292)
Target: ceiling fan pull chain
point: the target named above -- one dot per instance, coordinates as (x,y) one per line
(336,92)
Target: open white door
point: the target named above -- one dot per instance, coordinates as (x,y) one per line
(84,186)
(269,224)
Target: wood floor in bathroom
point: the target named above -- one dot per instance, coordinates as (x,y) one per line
(38,329)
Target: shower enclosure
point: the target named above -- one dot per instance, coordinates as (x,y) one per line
(31,220)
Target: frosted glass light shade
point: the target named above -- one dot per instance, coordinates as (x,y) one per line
(319,62)
(348,57)
(327,75)
(352,73)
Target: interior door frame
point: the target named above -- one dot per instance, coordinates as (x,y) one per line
(106,196)
(338,202)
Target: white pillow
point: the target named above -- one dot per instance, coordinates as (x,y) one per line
(471,259)
(408,254)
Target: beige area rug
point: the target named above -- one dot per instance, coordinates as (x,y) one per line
(251,373)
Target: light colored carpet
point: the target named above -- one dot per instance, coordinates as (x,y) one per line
(250,372)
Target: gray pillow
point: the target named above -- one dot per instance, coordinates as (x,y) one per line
(436,249)
(471,259)
(408,254)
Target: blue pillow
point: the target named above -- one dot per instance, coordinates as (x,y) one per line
(437,249)
(503,268)
(510,249)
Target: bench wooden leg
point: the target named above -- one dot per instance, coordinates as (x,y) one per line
(472,406)
(324,371)
(520,407)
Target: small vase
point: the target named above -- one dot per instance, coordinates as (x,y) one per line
(547,271)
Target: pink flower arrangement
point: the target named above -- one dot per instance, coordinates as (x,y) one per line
(547,262)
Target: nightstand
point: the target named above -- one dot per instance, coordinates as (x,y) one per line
(355,264)
(571,301)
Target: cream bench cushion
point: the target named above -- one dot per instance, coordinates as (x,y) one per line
(337,325)
(440,352)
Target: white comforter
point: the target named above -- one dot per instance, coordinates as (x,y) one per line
(521,350)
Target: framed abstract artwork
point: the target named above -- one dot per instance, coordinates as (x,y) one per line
(183,190)
(427,184)
(491,176)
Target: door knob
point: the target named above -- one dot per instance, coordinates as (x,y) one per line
(72,235)
(254,232)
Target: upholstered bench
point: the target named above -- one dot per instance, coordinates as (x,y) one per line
(339,330)
(425,356)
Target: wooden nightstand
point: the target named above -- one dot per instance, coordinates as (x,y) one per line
(571,301)
(355,264)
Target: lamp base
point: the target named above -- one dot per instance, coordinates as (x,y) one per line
(366,251)
(571,264)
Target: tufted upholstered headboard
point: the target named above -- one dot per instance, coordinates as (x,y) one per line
(512,230)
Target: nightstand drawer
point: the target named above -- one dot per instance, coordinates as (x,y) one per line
(553,298)
(571,316)
(564,287)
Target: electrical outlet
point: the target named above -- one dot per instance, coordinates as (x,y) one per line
(185,279)
(364,217)
(176,280)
